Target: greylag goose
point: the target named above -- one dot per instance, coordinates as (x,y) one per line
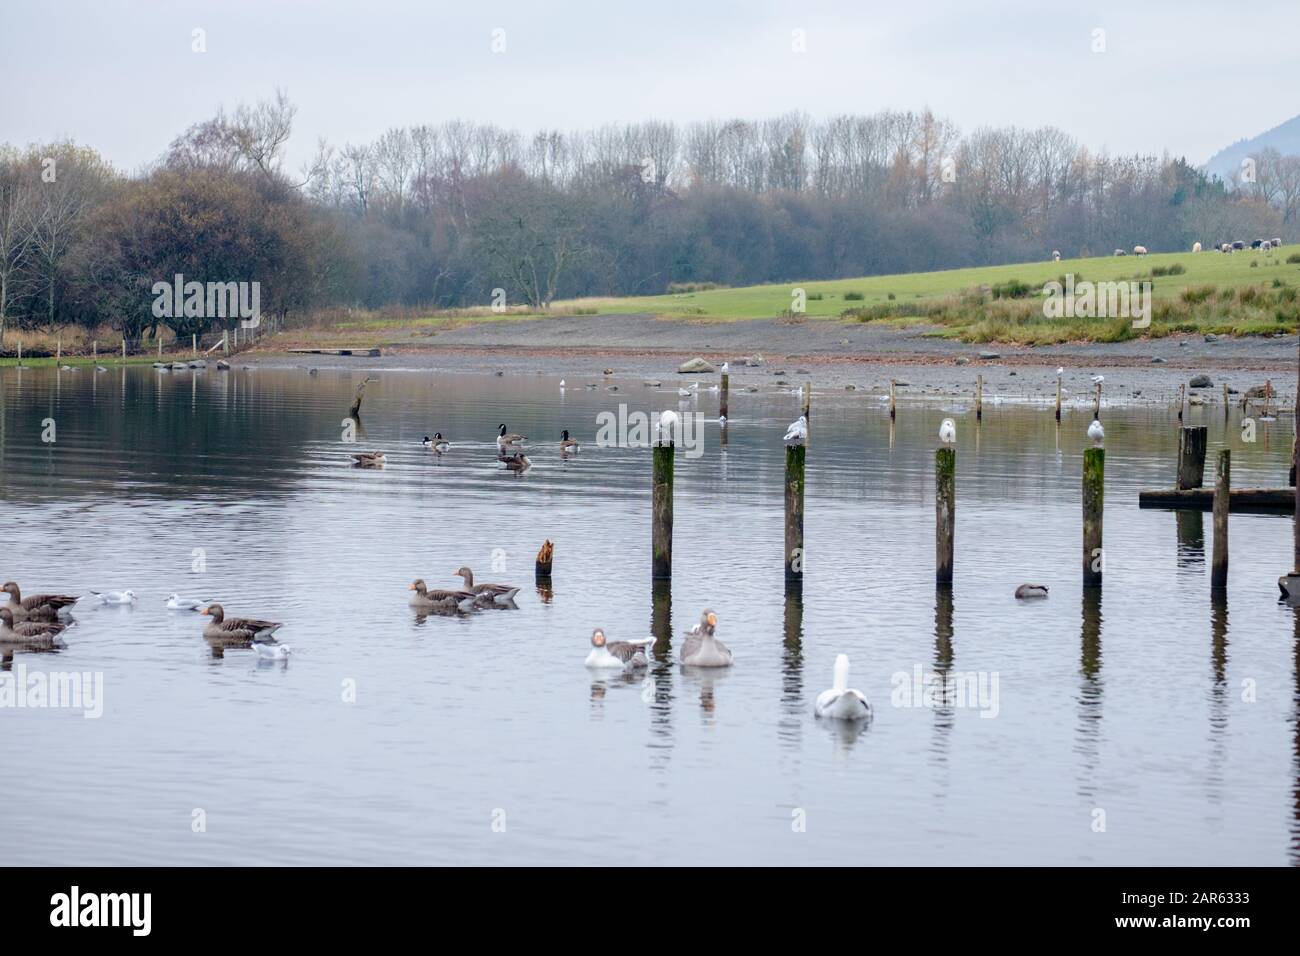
(1031,591)
(568,446)
(842,702)
(237,629)
(369,459)
(437,600)
(624,655)
(505,442)
(498,593)
(28,632)
(702,649)
(38,607)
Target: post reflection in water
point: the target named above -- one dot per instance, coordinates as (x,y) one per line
(1191,538)
(1219,699)
(1294,855)
(943,657)
(1087,743)
(792,691)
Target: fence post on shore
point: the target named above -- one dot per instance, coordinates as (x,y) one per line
(194,345)
(795,460)
(225,341)
(160,344)
(1222,500)
(893,399)
(20,362)
(661,519)
(1191,456)
(1058,398)
(124,348)
(58,350)
(979,398)
(1094,497)
(945,512)
(1226,407)
(94,349)
(724,400)
(807,398)
(1096,404)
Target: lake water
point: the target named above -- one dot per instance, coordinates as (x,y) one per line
(1144,725)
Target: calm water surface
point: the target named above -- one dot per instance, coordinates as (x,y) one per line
(1173,717)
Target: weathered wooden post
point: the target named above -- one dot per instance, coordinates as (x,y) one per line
(795,460)
(724,402)
(1289,583)
(1094,496)
(807,399)
(1222,501)
(945,512)
(160,345)
(661,519)
(124,348)
(979,397)
(20,362)
(1226,407)
(1096,405)
(893,399)
(1191,456)
(355,411)
(542,571)
(225,342)
(58,350)
(1058,398)
(94,349)
(194,344)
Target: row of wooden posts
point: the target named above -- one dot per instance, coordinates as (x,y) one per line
(1191,468)
(94,346)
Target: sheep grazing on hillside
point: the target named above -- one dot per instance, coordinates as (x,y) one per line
(1238,245)
(1056,255)
(1139,250)
(1277,242)
(1196,247)
(1120,252)
(1226,247)
(1256,243)
(1266,247)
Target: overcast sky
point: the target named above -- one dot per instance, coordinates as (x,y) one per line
(1187,77)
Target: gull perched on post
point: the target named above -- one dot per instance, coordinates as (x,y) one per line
(797,434)
(1096,433)
(948,431)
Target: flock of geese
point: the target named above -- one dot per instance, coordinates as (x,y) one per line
(510,451)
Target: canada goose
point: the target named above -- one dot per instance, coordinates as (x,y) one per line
(437,442)
(504,441)
(515,461)
(497,593)
(948,431)
(1096,432)
(115,597)
(842,702)
(177,603)
(27,632)
(568,446)
(624,655)
(38,607)
(237,629)
(437,600)
(797,433)
(701,648)
(369,459)
(1031,591)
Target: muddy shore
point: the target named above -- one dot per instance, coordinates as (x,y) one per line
(832,354)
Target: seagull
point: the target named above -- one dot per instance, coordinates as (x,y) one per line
(669,422)
(1098,379)
(798,431)
(948,431)
(722,420)
(1096,432)
(177,603)
(842,702)
(561,384)
(271,652)
(724,368)
(684,392)
(1060,370)
(115,597)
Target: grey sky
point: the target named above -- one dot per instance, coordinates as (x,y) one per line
(1186,77)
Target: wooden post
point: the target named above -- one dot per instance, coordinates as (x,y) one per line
(1058,398)
(1222,501)
(893,399)
(542,571)
(979,398)
(724,402)
(94,350)
(355,411)
(225,342)
(661,519)
(1094,496)
(1182,399)
(1191,456)
(194,345)
(58,350)
(1096,405)
(807,399)
(795,460)
(160,345)
(124,348)
(20,362)
(1226,407)
(945,512)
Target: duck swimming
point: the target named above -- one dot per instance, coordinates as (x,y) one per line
(437,600)
(237,629)
(369,459)
(624,655)
(701,648)
(1031,591)
(842,702)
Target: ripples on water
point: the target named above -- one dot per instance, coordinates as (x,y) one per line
(1130,703)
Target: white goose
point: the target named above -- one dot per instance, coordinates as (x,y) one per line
(948,431)
(624,655)
(797,433)
(842,702)
(701,648)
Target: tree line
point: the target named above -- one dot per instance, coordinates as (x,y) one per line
(445,215)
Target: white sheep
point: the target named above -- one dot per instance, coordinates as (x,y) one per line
(1056,255)
(1226,247)
(1277,243)
(1196,247)
(1139,250)
(1266,247)
(1120,252)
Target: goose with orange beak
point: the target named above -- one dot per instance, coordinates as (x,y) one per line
(623,655)
(437,600)
(242,630)
(702,648)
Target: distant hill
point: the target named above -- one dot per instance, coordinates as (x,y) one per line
(1284,138)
